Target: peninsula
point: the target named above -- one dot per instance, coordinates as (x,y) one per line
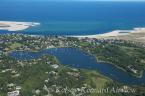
(117,33)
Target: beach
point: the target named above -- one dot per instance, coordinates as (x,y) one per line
(16,26)
(115,33)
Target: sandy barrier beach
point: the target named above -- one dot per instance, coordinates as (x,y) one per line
(115,33)
(16,26)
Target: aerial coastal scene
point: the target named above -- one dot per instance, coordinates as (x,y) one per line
(72,48)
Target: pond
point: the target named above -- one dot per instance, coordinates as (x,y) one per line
(78,59)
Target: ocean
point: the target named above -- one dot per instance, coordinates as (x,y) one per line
(74,18)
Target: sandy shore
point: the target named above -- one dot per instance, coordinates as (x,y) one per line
(16,26)
(115,33)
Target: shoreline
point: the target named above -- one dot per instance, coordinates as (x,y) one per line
(16,26)
(19,26)
(114,33)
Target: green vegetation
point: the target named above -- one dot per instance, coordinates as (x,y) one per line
(15,45)
(45,76)
(126,56)
(38,73)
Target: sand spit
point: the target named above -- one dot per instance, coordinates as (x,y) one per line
(115,33)
(16,26)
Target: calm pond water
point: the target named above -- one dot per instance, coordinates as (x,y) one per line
(78,59)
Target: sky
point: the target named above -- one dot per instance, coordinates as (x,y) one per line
(83,0)
(92,0)
(109,0)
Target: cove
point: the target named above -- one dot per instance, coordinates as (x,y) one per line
(78,59)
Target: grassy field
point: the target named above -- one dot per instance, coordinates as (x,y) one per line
(14,46)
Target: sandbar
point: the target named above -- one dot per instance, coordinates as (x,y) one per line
(16,26)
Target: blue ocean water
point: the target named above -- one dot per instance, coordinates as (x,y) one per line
(74,18)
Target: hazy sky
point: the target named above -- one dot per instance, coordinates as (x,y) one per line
(80,0)
(109,0)
(90,0)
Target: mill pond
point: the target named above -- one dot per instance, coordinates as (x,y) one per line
(78,59)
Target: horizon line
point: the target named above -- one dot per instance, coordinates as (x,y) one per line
(81,0)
